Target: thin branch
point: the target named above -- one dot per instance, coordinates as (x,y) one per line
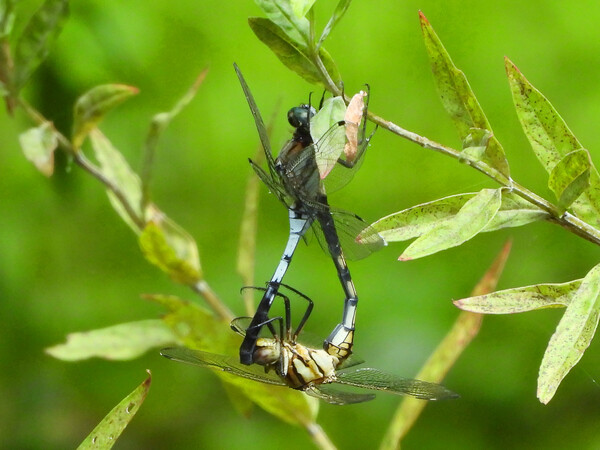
(203,289)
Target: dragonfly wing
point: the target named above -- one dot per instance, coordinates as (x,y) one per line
(336,397)
(221,362)
(260,125)
(357,239)
(272,184)
(370,378)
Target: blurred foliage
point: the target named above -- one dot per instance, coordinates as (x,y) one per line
(69,263)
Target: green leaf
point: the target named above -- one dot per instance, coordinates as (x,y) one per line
(472,218)
(38,35)
(116,169)
(290,54)
(111,427)
(522,299)
(459,100)
(421,219)
(301,7)
(118,342)
(7,17)
(281,15)
(169,247)
(337,15)
(515,212)
(551,139)
(572,336)
(570,177)
(39,144)
(92,106)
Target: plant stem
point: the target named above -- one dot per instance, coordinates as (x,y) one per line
(319,436)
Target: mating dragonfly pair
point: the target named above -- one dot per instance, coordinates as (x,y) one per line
(305,170)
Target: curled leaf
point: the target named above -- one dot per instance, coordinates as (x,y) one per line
(570,177)
(38,145)
(92,106)
(169,247)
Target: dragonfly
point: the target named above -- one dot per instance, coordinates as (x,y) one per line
(317,372)
(295,179)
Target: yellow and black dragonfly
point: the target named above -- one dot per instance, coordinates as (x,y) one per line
(318,372)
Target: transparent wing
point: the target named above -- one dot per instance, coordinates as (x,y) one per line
(221,362)
(260,125)
(336,397)
(272,184)
(348,227)
(370,378)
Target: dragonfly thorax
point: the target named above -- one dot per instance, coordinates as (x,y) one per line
(267,352)
(304,365)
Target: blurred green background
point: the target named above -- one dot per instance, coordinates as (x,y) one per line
(69,264)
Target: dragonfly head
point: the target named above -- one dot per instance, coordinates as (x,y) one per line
(299,116)
(266,352)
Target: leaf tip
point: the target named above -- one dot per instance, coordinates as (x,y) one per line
(404,258)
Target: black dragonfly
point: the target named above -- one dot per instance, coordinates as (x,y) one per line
(295,177)
(286,362)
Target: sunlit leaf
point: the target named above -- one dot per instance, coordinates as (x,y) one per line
(169,247)
(7,17)
(92,106)
(476,143)
(522,299)
(301,7)
(38,145)
(570,177)
(331,112)
(118,342)
(572,336)
(515,212)
(39,34)
(459,100)
(116,169)
(551,139)
(420,219)
(108,431)
(446,354)
(281,14)
(472,218)
(337,15)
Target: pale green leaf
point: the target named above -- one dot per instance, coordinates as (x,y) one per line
(169,247)
(290,53)
(522,299)
(116,169)
(472,218)
(118,342)
(337,15)
(103,437)
(515,212)
(38,35)
(551,139)
(572,336)
(92,106)
(459,100)
(420,219)
(476,143)
(570,177)
(38,145)
(281,14)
